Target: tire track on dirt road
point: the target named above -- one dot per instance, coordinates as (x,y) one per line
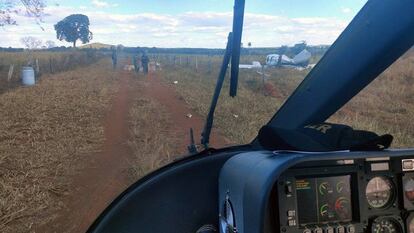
(165,94)
(105,174)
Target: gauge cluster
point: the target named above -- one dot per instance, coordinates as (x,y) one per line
(362,196)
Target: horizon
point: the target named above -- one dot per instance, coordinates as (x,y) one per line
(187,24)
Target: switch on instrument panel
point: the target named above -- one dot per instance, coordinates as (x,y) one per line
(329,230)
(407,164)
(288,189)
(350,229)
(340,229)
(318,230)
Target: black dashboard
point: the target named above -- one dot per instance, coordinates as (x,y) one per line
(338,192)
(365,195)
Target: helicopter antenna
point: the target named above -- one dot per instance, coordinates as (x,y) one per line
(238,19)
(205,136)
(232,53)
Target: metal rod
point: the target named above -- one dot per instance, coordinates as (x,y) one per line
(236,47)
(205,136)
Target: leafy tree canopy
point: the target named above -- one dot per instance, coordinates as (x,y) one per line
(8,8)
(73,28)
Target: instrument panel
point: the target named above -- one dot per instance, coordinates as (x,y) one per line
(373,195)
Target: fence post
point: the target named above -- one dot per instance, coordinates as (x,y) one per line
(50,65)
(209,65)
(263,81)
(196,64)
(10,74)
(37,67)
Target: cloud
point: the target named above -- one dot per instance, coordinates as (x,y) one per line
(346,10)
(102,4)
(190,29)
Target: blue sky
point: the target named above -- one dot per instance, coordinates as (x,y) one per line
(195,23)
(295,8)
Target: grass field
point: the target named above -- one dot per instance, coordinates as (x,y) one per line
(44,130)
(386,106)
(47,62)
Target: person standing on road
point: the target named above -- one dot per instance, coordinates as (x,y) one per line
(145,61)
(135,61)
(114,57)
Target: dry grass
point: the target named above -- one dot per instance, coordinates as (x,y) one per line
(253,108)
(49,62)
(44,131)
(386,106)
(151,141)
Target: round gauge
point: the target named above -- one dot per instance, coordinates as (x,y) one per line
(325,188)
(386,225)
(343,207)
(379,192)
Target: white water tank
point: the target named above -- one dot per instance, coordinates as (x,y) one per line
(28,76)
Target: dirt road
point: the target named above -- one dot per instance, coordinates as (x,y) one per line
(163,93)
(105,175)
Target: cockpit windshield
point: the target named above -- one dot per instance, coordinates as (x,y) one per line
(95,94)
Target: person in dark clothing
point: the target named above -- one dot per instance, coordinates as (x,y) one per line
(135,61)
(145,62)
(114,57)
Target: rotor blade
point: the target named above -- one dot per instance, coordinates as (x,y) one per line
(381,32)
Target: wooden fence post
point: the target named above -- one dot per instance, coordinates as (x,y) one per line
(50,65)
(209,66)
(196,64)
(10,74)
(37,67)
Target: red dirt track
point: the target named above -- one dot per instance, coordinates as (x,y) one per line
(178,109)
(105,176)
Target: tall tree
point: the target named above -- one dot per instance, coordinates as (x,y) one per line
(33,8)
(73,28)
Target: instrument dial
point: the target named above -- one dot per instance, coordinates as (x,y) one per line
(379,192)
(386,225)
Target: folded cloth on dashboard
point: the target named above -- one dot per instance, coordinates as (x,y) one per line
(322,137)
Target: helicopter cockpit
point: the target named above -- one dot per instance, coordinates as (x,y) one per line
(253,189)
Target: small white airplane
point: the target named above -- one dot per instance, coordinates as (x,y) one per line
(300,60)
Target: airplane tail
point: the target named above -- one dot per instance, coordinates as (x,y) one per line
(302,58)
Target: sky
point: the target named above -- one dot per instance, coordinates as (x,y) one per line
(192,23)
